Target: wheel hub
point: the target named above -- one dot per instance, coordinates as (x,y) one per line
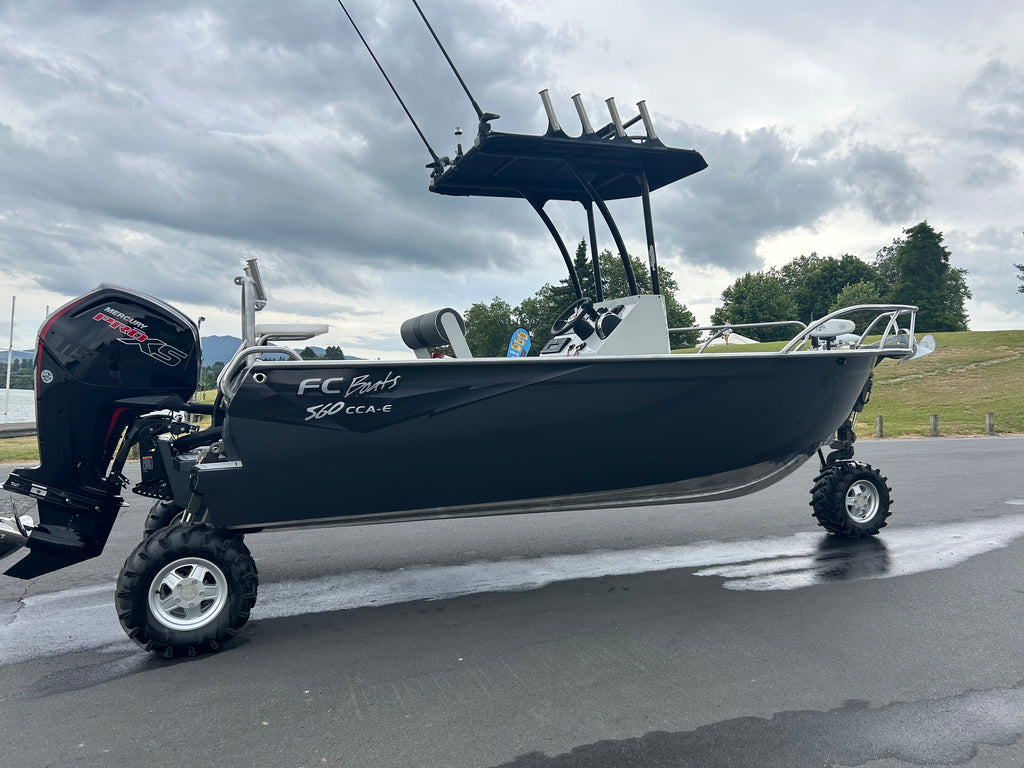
(188,590)
(188,593)
(862,501)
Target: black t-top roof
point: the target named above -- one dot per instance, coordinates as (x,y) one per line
(541,167)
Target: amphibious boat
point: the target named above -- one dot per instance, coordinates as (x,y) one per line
(610,416)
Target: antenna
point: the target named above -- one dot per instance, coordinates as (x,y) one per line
(438,163)
(482,116)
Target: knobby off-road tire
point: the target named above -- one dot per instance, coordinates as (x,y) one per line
(160,516)
(186,589)
(851,499)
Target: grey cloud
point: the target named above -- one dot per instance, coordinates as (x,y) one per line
(883,182)
(989,256)
(993,104)
(760,184)
(985,171)
(166,154)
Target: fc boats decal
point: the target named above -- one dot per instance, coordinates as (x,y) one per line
(359,385)
(361,400)
(365,384)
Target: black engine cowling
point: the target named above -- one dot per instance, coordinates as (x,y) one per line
(102,360)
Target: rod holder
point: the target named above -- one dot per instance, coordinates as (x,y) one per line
(553,125)
(645,116)
(584,120)
(620,129)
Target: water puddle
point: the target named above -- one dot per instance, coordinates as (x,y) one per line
(84,619)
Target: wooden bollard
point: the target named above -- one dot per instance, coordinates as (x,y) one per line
(935,425)
(990,423)
(878,426)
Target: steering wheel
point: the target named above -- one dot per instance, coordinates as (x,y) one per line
(571,314)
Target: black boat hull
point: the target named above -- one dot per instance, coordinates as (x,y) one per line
(367,442)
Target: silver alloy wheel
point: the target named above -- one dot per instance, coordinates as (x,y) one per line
(862,501)
(188,594)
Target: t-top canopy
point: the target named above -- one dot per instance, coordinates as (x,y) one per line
(601,165)
(546,167)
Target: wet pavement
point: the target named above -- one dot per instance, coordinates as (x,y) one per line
(728,634)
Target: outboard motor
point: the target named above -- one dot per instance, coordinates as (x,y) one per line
(102,360)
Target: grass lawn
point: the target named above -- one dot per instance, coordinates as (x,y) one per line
(969,374)
(16,450)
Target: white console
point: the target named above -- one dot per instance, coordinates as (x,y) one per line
(641,328)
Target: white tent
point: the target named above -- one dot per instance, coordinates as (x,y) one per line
(734,338)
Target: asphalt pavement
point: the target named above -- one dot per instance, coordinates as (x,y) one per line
(728,634)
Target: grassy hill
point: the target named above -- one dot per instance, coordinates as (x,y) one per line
(969,374)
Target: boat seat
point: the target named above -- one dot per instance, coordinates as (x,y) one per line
(829,331)
(436,329)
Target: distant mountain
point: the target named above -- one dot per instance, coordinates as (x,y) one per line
(219,349)
(18,354)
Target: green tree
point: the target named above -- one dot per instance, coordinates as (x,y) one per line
(885,266)
(758,297)
(334,353)
(865,292)
(615,284)
(21,376)
(537,313)
(1020,267)
(208,379)
(584,271)
(308,353)
(814,282)
(919,272)
(489,328)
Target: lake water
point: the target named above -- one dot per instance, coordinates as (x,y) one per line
(20,408)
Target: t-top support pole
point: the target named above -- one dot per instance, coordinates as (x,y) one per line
(538,206)
(616,235)
(592,232)
(652,256)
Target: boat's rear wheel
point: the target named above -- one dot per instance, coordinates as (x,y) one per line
(186,589)
(851,498)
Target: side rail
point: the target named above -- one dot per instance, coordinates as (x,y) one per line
(231,376)
(718,331)
(893,324)
(256,338)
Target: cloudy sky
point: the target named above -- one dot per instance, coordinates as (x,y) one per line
(158,145)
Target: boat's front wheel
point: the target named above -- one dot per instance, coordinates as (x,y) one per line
(850,498)
(186,589)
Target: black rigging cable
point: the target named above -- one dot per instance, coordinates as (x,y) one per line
(438,163)
(479,112)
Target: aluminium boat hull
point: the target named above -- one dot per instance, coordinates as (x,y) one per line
(365,441)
